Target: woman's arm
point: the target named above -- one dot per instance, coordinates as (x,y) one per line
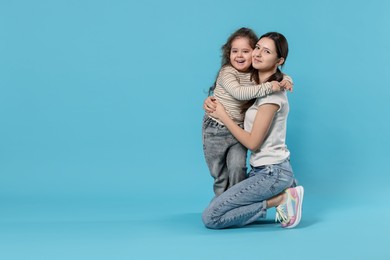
(254,139)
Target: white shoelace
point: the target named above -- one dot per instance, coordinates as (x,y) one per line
(281,214)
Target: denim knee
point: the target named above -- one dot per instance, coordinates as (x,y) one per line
(208,220)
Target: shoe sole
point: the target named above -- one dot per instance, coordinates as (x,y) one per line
(301,192)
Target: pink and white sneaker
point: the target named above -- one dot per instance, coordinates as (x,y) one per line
(289,213)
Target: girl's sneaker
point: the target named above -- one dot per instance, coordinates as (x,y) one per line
(289,213)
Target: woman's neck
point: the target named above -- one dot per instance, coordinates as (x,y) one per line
(263,76)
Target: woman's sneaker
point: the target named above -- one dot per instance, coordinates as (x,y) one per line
(289,213)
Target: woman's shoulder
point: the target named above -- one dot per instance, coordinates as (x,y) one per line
(279,98)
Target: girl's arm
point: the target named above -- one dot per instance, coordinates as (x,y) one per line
(287,83)
(263,120)
(228,79)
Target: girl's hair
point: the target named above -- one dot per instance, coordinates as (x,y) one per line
(281,45)
(226,48)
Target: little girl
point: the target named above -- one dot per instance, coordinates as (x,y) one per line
(234,86)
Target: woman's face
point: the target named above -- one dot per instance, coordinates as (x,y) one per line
(264,56)
(241,54)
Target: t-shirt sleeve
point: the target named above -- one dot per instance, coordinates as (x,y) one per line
(277,99)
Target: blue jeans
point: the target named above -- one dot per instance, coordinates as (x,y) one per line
(245,202)
(225,156)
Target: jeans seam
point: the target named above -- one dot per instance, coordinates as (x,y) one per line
(214,216)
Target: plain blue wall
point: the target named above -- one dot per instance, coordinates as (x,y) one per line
(103,99)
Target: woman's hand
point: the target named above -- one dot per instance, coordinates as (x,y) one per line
(220,112)
(210,105)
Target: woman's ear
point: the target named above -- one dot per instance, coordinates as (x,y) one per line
(281,61)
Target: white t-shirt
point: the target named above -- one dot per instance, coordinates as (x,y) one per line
(274,149)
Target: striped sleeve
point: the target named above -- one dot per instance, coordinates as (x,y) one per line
(287,77)
(228,78)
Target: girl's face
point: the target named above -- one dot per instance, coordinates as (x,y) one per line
(241,54)
(265,57)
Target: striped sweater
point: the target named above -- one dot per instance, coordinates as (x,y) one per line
(234,88)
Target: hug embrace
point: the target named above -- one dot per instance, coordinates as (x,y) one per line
(247,109)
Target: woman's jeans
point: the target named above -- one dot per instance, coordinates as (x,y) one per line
(225,156)
(245,202)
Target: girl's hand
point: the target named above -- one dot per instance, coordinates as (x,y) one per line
(209,105)
(219,112)
(276,87)
(287,85)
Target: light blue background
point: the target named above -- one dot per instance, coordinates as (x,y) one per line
(100,128)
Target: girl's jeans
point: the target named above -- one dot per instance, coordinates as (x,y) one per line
(225,156)
(245,202)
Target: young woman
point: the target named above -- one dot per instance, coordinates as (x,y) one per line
(271,179)
(225,156)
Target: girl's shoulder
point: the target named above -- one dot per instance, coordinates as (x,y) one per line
(228,69)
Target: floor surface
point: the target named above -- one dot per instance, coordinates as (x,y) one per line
(116,229)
